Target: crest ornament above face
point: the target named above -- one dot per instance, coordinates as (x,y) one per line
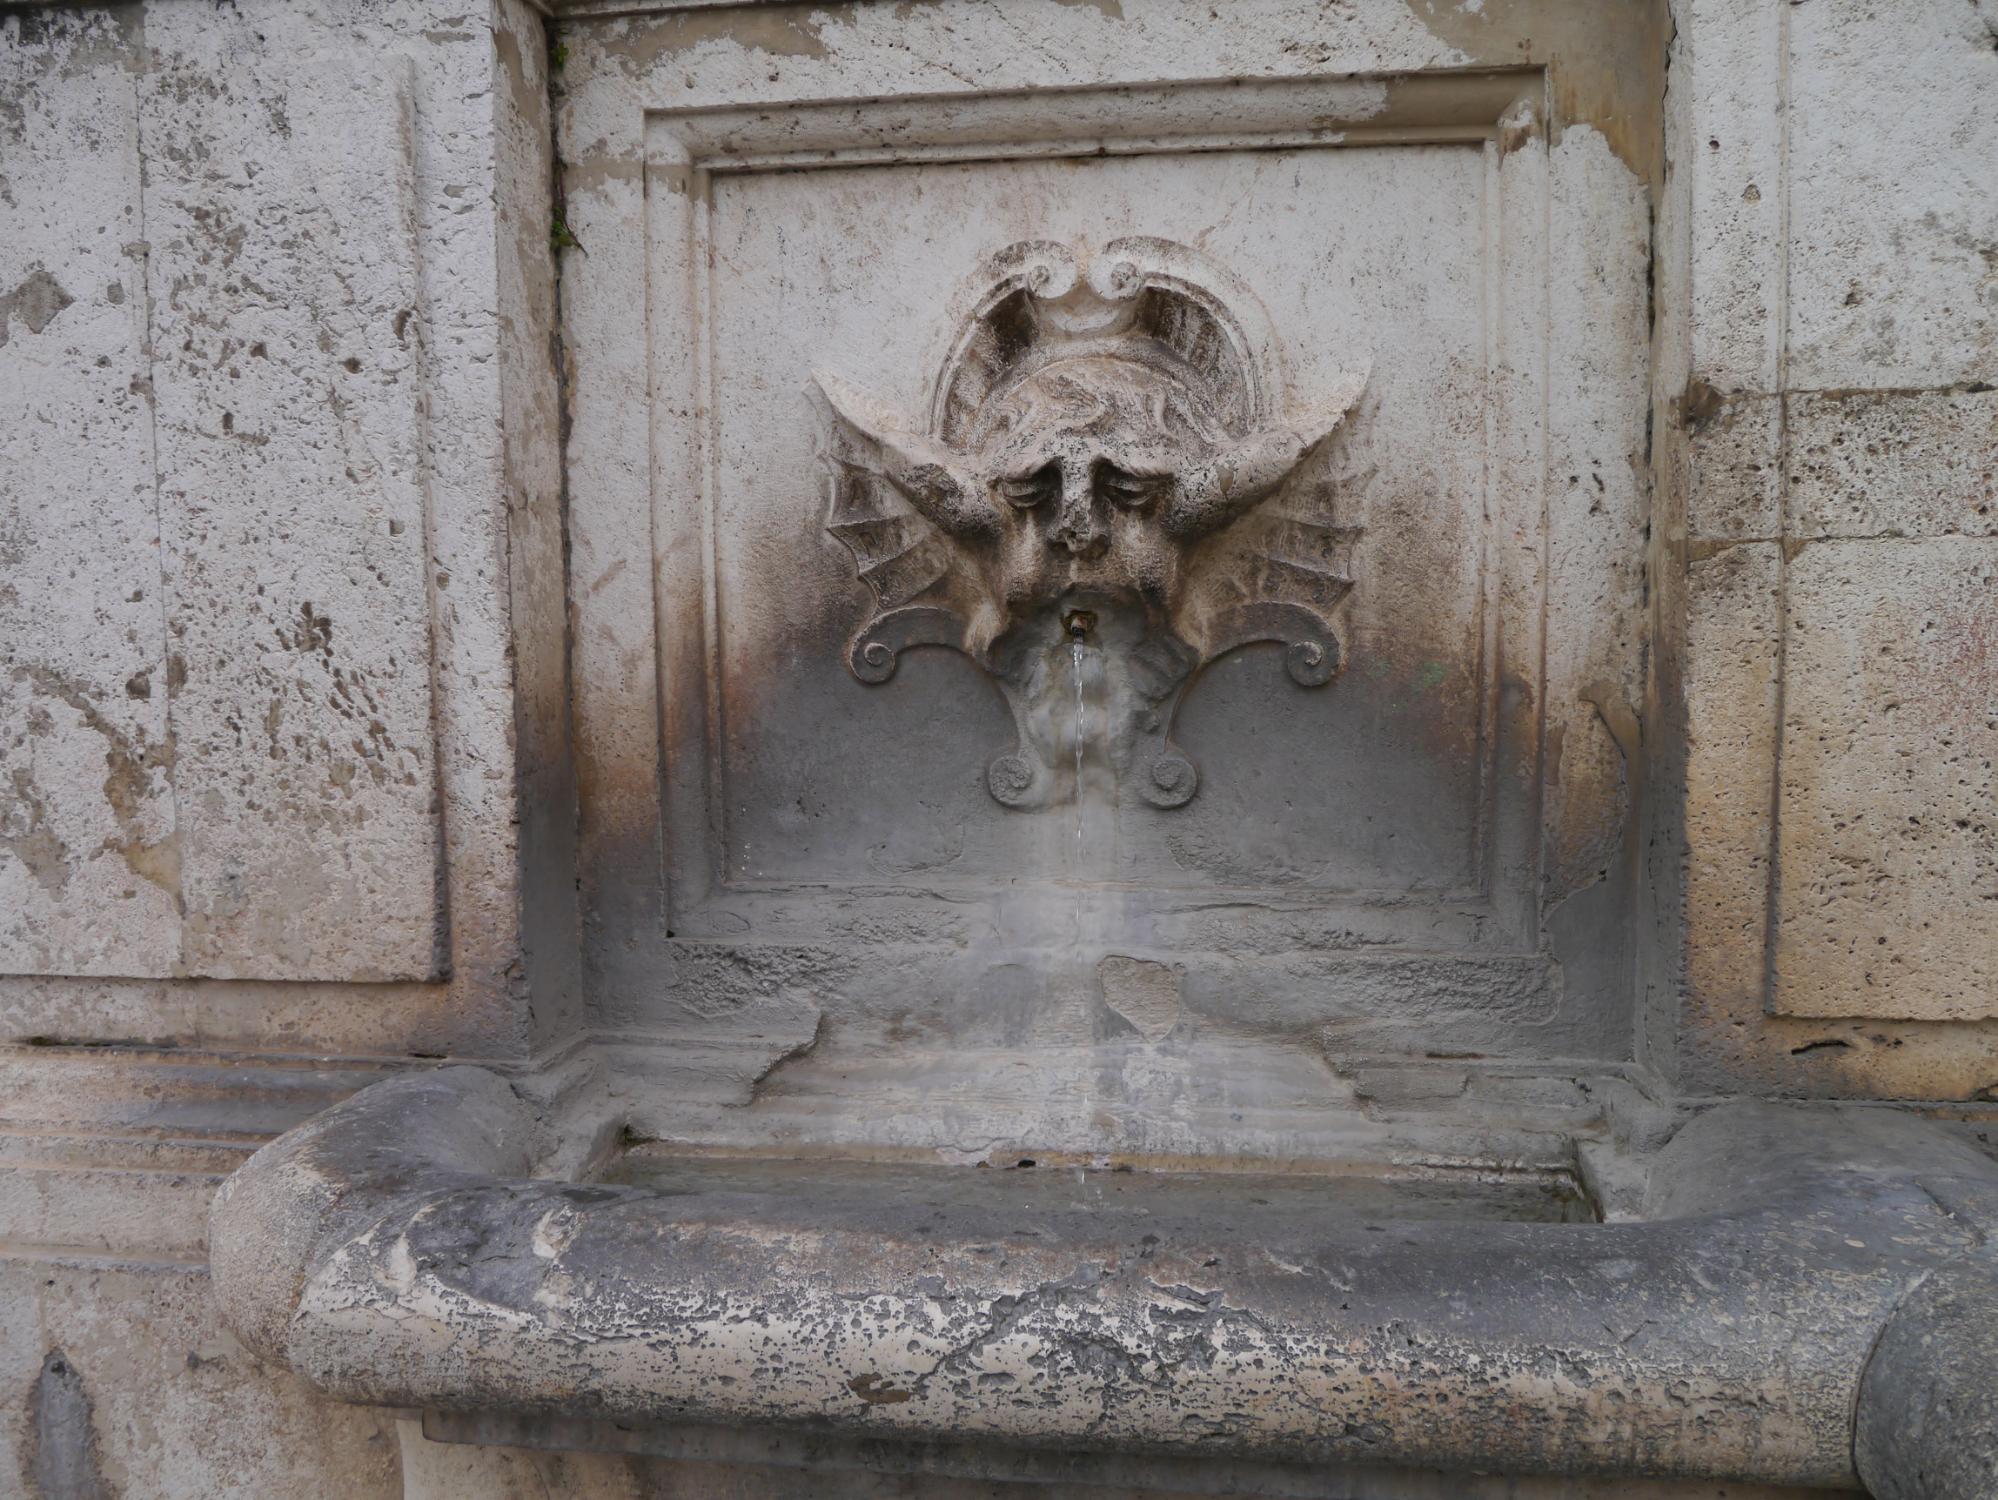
(1111,488)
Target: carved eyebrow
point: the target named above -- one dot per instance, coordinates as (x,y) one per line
(1139,473)
(1032,471)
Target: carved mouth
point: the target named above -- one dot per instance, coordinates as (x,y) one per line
(1079,623)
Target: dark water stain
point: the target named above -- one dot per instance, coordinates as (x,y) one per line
(35,303)
(64,1464)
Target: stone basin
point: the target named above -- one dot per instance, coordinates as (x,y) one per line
(1798,1295)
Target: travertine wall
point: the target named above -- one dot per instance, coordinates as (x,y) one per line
(283,764)
(1828,535)
(286,797)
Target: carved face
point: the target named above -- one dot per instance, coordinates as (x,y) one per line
(1083,460)
(1096,423)
(1092,472)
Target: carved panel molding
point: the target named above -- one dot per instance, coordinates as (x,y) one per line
(985,516)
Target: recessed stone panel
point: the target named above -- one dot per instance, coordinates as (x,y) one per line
(290,389)
(1336,282)
(825,778)
(1401,318)
(89,878)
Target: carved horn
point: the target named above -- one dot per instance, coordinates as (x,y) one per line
(932,475)
(1247,472)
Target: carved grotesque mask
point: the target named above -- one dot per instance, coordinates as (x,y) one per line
(1099,446)
(1083,456)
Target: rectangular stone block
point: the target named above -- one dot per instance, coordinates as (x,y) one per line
(216,743)
(1731,71)
(1893,226)
(1872,463)
(1887,902)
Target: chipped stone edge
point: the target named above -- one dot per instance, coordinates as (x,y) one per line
(284,1212)
(1927,1424)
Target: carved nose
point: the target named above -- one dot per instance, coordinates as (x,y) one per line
(1080,530)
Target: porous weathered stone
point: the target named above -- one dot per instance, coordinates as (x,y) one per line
(1928,1407)
(1891,464)
(1134,1314)
(1734,480)
(407,656)
(1888,852)
(1903,299)
(1832,390)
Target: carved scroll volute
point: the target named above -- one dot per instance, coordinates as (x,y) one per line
(1107,467)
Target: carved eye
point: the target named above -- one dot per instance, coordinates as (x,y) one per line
(1027,491)
(1127,490)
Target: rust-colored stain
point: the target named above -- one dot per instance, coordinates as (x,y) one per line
(1700,406)
(1953,666)
(1606,61)
(875,1391)
(130,769)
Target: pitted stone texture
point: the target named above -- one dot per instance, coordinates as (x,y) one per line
(89,859)
(290,389)
(1888,840)
(1727,160)
(950,1303)
(1732,686)
(1928,1412)
(254,508)
(1734,476)
(1892,229)
(155,1398)
(272,569)
(1893,464)
(1834,310)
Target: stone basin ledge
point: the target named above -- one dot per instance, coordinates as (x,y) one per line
(1810,1297)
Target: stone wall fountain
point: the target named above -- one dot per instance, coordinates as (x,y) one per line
(1111,668)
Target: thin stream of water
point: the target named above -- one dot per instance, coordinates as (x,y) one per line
(1075,657)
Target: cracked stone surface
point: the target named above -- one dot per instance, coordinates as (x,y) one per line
(1212,1316)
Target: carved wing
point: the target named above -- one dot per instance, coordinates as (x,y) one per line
(906,510)
(1278,559)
